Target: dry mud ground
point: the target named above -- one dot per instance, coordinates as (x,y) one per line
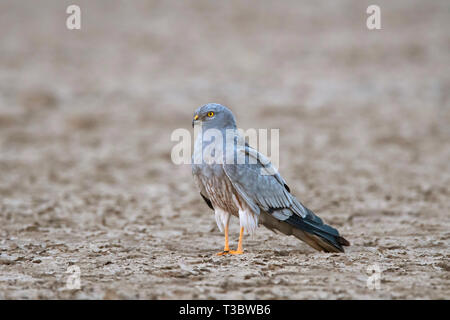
(86,177)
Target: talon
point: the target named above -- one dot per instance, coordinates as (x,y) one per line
(226,249)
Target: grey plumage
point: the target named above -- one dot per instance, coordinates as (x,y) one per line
(246,190)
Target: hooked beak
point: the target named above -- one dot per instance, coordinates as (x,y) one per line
(195,119)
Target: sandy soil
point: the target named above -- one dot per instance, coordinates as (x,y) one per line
(86,177)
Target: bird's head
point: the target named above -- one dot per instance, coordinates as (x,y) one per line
(214,116)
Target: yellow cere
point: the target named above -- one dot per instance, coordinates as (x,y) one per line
(196,117)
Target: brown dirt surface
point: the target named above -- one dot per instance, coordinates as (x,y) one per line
(86,177)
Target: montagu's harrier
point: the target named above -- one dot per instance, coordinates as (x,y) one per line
(235,179)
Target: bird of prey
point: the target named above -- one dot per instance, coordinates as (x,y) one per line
(251,190)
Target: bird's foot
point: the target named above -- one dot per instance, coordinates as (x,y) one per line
(236,252)
(222,253)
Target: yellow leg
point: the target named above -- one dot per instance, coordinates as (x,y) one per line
(239,248)
(226,248)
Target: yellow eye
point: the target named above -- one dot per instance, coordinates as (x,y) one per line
(210,114)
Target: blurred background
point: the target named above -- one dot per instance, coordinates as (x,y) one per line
(86,115)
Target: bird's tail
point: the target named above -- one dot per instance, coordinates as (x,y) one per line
(302,223)
(314,232)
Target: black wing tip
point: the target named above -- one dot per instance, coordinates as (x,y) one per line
(324,231)
(287,188)
(208,202)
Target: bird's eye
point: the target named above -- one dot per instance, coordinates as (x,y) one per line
(210,114)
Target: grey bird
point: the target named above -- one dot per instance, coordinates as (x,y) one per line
(251,190)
